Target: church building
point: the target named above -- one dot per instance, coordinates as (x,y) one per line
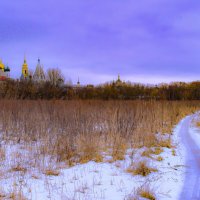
(25,74)
(39,75)
(4,72)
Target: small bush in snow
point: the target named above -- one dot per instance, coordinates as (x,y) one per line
(51,172)
(165,143)
(146,192)
(141,168)
(173,152)
(159,158)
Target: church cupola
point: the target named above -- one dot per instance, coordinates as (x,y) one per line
(4,71)
(39,75)
(118,79)
(78,82)
(118,82)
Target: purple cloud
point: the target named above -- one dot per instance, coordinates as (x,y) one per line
(145,41)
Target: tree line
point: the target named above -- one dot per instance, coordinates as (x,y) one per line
(51,89)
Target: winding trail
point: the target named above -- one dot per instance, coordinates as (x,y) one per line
(191,189)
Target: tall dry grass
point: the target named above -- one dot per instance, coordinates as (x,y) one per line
(78,131)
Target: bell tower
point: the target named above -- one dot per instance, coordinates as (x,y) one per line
(25,69)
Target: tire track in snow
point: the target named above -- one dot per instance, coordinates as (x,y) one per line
(191,189)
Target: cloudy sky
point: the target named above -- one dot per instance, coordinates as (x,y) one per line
(145,41)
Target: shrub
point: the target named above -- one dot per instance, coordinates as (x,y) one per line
(173,152)
(165,143)
(141,168)
(157,151)
(147,153)
(159,158)
(19,168)
(2,154)
(119,150)
(146,192)
(51,172)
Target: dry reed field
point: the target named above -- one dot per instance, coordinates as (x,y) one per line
(78,131)
(47,136)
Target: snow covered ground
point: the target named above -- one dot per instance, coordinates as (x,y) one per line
(195,129)
(190,138)
(91,181)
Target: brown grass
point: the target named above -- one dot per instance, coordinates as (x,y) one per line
(146,192)
(51,172)
(2,154)
(159,158)
(16,195)
(148,152)
(78,131)
(19,168)
(173,152)
(141,168)
(165,143)
(119,150)
(198,124)
(157,151)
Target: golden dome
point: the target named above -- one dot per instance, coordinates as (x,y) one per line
(1,66)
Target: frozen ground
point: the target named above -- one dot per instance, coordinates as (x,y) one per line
(93,181)
(190,138)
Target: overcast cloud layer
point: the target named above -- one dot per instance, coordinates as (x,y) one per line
(147,40)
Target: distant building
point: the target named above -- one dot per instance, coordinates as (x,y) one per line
(39,75)
(90,86)
(4,72)
(78,83)
(25,74)
(119,82)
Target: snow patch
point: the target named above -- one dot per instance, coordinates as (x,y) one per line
(92,180)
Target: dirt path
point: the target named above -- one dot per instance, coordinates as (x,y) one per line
(191,189)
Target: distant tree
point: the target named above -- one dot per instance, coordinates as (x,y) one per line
(55,77)
(68,82)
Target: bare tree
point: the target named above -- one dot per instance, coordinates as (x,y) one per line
(55,77)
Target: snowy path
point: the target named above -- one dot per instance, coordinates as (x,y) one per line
(191,189)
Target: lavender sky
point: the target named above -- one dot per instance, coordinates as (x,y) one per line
(146,41)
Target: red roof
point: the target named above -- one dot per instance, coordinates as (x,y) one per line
(3,78)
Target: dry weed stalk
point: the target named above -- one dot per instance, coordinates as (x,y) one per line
(78,131)
(141,168)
